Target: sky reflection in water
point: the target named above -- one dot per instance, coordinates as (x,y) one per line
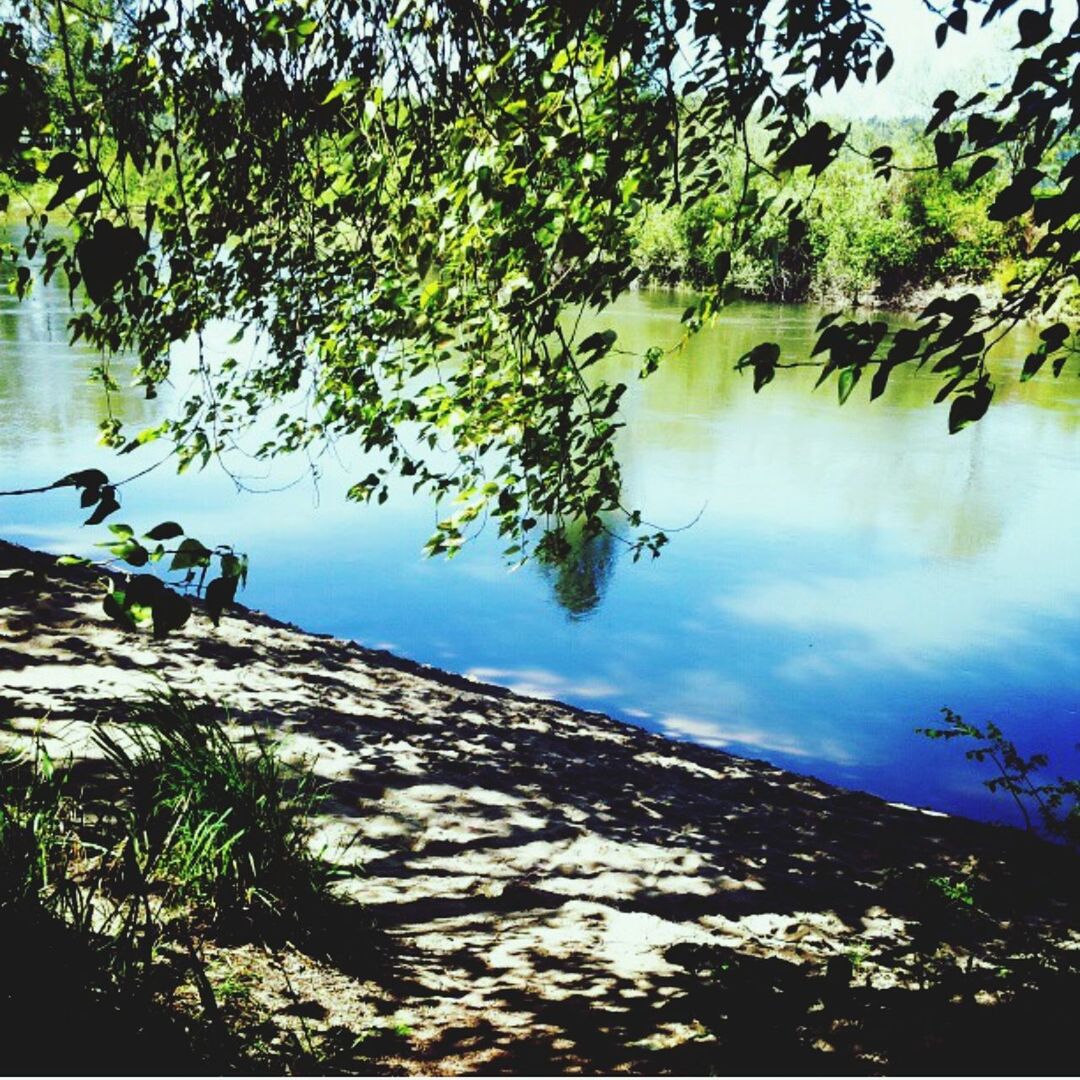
(852,570)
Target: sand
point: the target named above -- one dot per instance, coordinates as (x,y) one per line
(565,893)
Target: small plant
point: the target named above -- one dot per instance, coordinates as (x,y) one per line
(208,821)
(40,850)
(956,892)
(109,887)
(858,954)
(1054,805)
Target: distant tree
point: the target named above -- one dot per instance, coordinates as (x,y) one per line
(411,204)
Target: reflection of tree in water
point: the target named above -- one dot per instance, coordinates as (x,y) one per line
(579,573)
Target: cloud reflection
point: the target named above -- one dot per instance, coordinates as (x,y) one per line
(719,735)
(540,683)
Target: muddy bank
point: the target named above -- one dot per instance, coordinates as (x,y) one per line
(558,892)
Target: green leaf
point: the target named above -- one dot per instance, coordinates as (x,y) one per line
(339,88)
(849,376)
(235,567)
(122,531)
(72,560)
(115,607)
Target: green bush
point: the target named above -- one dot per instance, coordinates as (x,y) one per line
(861,234)
(209,821)
(660,246)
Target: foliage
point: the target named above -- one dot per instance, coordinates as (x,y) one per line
(217,824)
(144,597)
(39,842)
(1055,805)
(112,882)
(862,233)
(184,822)
(410,205)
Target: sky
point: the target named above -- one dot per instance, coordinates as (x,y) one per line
(966,63)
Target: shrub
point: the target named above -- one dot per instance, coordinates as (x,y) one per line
(660,246)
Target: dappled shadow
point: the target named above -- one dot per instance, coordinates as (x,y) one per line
(557,892)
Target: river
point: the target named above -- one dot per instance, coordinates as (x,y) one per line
(848,572)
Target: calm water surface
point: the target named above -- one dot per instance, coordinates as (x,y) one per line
(850,570)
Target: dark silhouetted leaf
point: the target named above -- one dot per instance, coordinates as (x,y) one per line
(970,407)
(106,505)
(880,380)
(947,146)
(70,184)
(1034,26)
(219,594)
(884,63)
(107,256)
(170,611)
(143,589)
(1032,363)
(88,478)
(980,167)
(167,530)
(136,555)
(61,163)
(945,106)
(1013,200)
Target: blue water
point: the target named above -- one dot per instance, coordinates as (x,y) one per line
(849,572)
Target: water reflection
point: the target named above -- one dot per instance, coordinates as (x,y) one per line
(579,576)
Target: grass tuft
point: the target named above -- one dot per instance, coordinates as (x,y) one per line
(209,822)
(111,881)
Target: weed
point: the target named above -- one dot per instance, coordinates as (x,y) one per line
(1054,805)
(115,882)
(209,822)
(957,892)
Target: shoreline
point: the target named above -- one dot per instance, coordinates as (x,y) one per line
(564,892)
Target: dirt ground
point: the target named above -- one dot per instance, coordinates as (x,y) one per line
(528,888)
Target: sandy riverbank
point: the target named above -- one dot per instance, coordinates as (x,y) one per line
(566,893)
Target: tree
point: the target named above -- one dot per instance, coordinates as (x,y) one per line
(413,204)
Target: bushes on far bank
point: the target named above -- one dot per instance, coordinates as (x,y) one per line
(857,235)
